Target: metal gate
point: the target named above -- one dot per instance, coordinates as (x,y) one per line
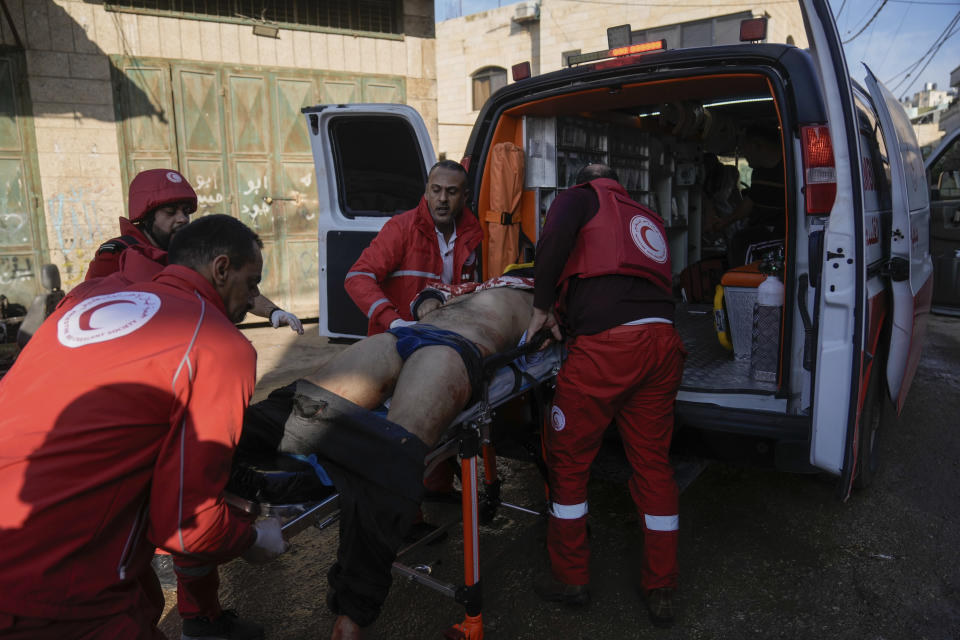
(23,239)
(238,135)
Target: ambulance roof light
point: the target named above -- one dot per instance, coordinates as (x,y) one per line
(520,71)
(753,29)
(618,52)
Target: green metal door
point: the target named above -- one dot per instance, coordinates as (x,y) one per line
(241,140)
(23,246)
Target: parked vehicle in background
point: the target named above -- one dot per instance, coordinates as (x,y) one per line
(943,176)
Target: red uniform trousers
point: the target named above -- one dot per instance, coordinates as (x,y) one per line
(136,623)
(198,586)
(628,374)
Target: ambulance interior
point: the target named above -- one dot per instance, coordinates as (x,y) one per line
(676,146)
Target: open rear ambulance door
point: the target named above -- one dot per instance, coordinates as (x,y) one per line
(371,163)
(911,267)
(842,287)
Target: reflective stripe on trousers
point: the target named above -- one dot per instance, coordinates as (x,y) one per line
(629,375)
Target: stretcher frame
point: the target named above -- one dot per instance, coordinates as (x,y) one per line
(506,376)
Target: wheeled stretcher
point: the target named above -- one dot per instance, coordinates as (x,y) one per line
(291,489)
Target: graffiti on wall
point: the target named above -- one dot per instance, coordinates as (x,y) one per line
(73,216)
(14,227)
(254,192)
(208,194)
(14,269)
(76,229)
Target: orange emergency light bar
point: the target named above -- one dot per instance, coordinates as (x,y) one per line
(618,52)
(638,48)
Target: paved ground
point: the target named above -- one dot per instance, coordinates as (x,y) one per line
(763,554)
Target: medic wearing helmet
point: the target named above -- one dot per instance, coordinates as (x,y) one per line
(161,201)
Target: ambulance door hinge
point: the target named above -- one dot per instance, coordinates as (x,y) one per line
(897,269)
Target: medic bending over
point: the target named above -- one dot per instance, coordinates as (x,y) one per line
(120,420)
(607,260)
(430,370)
(161,201)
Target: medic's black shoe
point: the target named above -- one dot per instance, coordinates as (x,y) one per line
(660,607)
(569,595)
(229,626)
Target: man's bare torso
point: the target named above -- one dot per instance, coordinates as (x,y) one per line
(493,319)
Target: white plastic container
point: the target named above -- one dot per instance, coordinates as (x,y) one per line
(765,344)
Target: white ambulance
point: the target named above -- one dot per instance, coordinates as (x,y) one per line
(853,248)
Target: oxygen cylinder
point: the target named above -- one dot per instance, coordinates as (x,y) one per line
(765,346)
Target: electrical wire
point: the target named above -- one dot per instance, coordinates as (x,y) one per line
(853,23)
(917,62)
(872,18)
(927,57)
(929,60)
(895,38)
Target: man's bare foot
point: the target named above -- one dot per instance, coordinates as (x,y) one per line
(346,629)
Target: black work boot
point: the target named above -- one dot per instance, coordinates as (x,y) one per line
(660,607)
(229,626)
(569,595)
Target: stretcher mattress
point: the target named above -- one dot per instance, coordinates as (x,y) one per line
(269,483)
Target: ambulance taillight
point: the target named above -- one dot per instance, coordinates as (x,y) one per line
(819,169)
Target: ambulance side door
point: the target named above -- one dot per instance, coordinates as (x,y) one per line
(371,163)
(910,266)
(837,378)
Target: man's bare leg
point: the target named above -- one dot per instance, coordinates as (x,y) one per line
(364,373)
(432,389)
(346,629)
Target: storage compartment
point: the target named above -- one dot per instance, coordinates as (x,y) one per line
(679,147)
(739,296)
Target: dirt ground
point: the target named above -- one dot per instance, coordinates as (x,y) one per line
(763,554)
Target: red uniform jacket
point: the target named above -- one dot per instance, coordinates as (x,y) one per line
(119,422)
(403,259)
(107,259)
(624,238)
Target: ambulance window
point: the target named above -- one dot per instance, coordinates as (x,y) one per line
(876,164)
(379,164)
(945,172)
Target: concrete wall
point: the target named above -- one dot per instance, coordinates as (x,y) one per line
(67,46)
(492,38)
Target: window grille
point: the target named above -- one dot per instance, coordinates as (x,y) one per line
(376,16)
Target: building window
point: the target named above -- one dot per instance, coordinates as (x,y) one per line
(486,82)
(565,57)
(375,16)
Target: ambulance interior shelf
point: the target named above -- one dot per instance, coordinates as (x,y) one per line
(660,154)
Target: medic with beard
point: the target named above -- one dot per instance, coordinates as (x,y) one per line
(161,201)
(436,242)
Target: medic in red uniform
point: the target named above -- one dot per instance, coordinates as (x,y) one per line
(605,260)
(160,201)
(120,420)
(406,255)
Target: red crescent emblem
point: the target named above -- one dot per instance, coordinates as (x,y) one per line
(84,320)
